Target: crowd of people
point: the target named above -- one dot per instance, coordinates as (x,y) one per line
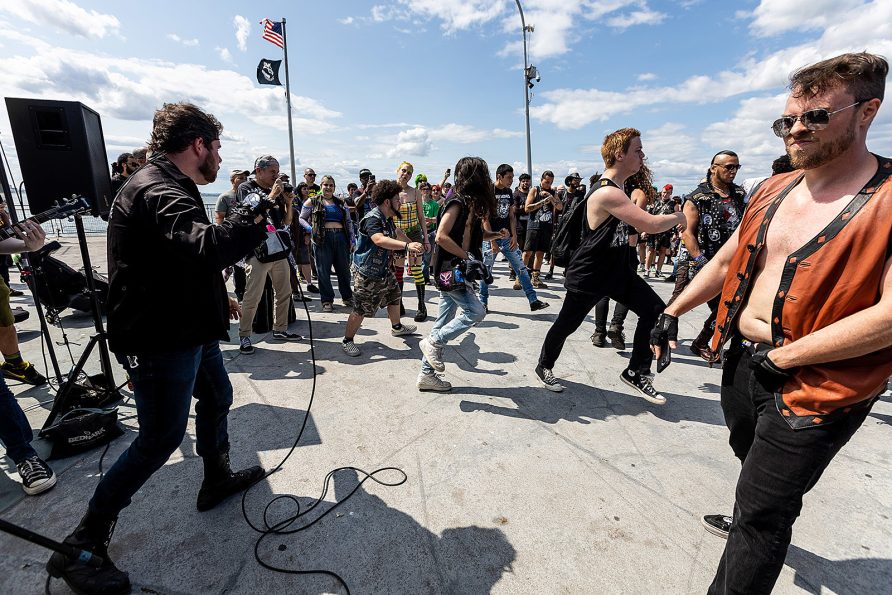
(805,356)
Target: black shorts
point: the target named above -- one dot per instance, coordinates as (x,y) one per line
(658,241)
(538,238)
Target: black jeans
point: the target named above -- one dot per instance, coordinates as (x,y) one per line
(780,465)
(636,294)
(620,312)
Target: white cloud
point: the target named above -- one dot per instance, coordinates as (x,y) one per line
(415,142)
(570,108)
(187,42)
(455,14)
(64,15)
(464,134)
(636,17)
(647,76)
(772,17)
(242,31)
(225,55)
(346,21)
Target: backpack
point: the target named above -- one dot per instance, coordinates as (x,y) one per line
(568,234)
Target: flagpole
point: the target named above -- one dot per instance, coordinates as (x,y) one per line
(288,102)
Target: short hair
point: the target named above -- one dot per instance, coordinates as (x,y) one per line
(594,178)
(265,161)
(503,169)
(322,181)
(385,190)
(547,174)
(176,125)
(523,177)
(617,141)
(863,74)
(123,158)
(400,166)
(140,153)
(301,186)
(352,186)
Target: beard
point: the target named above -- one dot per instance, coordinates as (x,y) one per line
(823,153)
(209,168)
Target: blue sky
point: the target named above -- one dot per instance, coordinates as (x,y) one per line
(429,81)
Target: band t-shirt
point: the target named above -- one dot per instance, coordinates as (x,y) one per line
(544,215)
(520,199)
(500,219)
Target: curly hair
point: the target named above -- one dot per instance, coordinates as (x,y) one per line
(472,181)
(385,190)
(641,180)
(176,125)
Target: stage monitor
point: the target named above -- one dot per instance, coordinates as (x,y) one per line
(61,152)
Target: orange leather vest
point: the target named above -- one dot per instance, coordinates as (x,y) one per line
(832,276)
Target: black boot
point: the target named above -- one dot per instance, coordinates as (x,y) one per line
(421,313)
(598,338)
(221,482)
(92,534)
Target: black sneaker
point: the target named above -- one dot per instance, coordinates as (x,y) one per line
(548,379)
(312,288)
(37,477)
(24,372)
(642,384)
(599,338)
(617,337)
(286,336)
(538,305)
(717,524)
(245,346)
(548,276)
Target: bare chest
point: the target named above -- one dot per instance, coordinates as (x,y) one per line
(797,222)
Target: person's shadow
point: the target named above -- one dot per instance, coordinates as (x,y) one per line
(816,574)
(378,549)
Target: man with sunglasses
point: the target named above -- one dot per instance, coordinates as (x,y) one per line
(310,178)
(713,211)
(805,310)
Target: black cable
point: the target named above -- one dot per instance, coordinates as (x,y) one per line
(279,528)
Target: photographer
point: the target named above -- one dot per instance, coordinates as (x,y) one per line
(167,312)
(459,232)
(267,184)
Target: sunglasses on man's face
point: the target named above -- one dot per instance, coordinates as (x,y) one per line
(727,167)
(309,175)
(816,119)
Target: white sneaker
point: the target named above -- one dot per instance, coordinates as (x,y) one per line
(433,353)
(405,329)
(548,379)
(432,382)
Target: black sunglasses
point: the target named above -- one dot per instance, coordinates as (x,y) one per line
(729,167)
(816,119)
(310,175)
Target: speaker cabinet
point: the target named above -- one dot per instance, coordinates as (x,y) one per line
(61,152)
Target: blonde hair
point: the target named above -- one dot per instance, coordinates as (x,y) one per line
(400,166)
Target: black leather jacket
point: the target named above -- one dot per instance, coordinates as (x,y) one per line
(165,263)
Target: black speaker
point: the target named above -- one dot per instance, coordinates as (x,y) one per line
(61,152)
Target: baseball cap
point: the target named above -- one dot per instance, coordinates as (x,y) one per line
(667,187)
(265,161)
(238,172)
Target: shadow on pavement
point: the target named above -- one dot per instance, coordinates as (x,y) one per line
(816,574)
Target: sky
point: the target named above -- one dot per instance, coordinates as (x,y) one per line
(430,81)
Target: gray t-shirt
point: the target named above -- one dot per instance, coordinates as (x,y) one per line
(226,201)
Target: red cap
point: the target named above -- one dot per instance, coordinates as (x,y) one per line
(667,187)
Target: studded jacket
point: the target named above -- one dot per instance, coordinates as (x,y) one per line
(836,274)
(719,216)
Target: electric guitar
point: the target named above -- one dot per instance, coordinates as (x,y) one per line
(70,207)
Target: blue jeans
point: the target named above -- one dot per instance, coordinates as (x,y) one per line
(163,387)
(335,250)
(448,326)
(15,431)
(515,260)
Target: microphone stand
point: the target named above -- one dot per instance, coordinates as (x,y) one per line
(45,542)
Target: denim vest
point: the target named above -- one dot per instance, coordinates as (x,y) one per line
(371,260)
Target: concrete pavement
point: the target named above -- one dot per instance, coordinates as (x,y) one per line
(510,489)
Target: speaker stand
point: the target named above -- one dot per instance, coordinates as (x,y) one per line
(105,390)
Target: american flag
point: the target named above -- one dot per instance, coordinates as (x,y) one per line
(272,32)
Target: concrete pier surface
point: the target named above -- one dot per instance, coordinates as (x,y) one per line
(510,488)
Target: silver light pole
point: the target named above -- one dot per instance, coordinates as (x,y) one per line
(527,84)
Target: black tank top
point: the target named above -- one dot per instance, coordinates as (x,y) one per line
(601,262)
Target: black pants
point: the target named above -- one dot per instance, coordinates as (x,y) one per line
(635,293)
(240,280)
(682,281)
(780,465)
(620,312)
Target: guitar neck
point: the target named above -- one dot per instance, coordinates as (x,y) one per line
(9,232)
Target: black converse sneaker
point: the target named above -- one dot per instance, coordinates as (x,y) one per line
(548,379)
(37,477)
(717,524)
(642,384)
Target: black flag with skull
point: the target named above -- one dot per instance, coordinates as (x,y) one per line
(268,72)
